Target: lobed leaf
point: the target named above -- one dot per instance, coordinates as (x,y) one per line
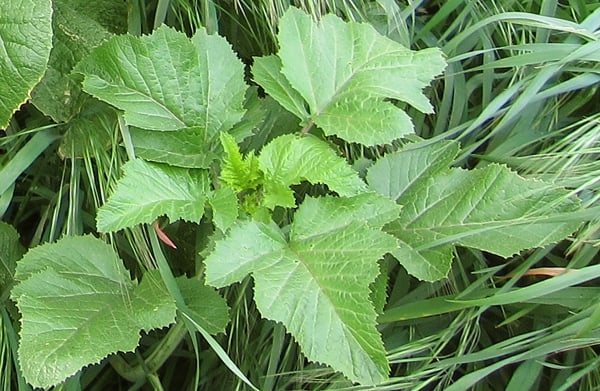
(167,82)
(25,43)
(336,74)
(317,282)
(491,208)
(148,190)
(78,305)
(291,159)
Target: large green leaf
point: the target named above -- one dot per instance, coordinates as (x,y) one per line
(166,81)
(25,43)
(291,159)
(79,26)
(78,305)
(317,282)
(148,190)
(343,72)
(490,208)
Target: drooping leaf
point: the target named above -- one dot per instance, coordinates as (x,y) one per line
(342,72)
(92,130)
(25,43)
(491,208)
(291,159)
(206,306)
(10,252)
(79,26)
(166,81)
(317,283)
(78,305)
(148,190)
(183,148)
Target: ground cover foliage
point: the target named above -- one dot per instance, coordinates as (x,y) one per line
(299,195)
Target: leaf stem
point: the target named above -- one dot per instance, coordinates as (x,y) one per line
(307,127)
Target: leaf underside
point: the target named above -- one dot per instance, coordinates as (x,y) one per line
(491,208)
(317,282)
(78,305)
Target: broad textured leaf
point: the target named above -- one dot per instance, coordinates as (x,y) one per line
(78,305)
(343,72)
(490,208)
(317,282)
(10,252)
(291,159)
(149,190)
(79,26)
(25,43)
(166,81)
(206,306)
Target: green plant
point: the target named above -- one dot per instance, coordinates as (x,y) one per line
(290,210)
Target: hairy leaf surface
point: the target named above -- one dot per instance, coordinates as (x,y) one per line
(342,72)
(291,159)
(317,282)
(491,208)
(25,43)
(78,305)
(148,190)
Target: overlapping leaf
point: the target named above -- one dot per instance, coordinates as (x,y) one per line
(79,26)
(338,74)
(290,159)
(166,82)
(78,305)
(25,43)
(148,190)
(317,282)
(491,208)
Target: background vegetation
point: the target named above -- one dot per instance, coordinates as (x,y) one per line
(521,88)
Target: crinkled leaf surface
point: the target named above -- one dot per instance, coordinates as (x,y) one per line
(78,305)
(342,72)
(148,190)
(491,208)
(10,251)
(317,282)
(166,81)
(79,26)
(25,43)
(290,159)
(205,305)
